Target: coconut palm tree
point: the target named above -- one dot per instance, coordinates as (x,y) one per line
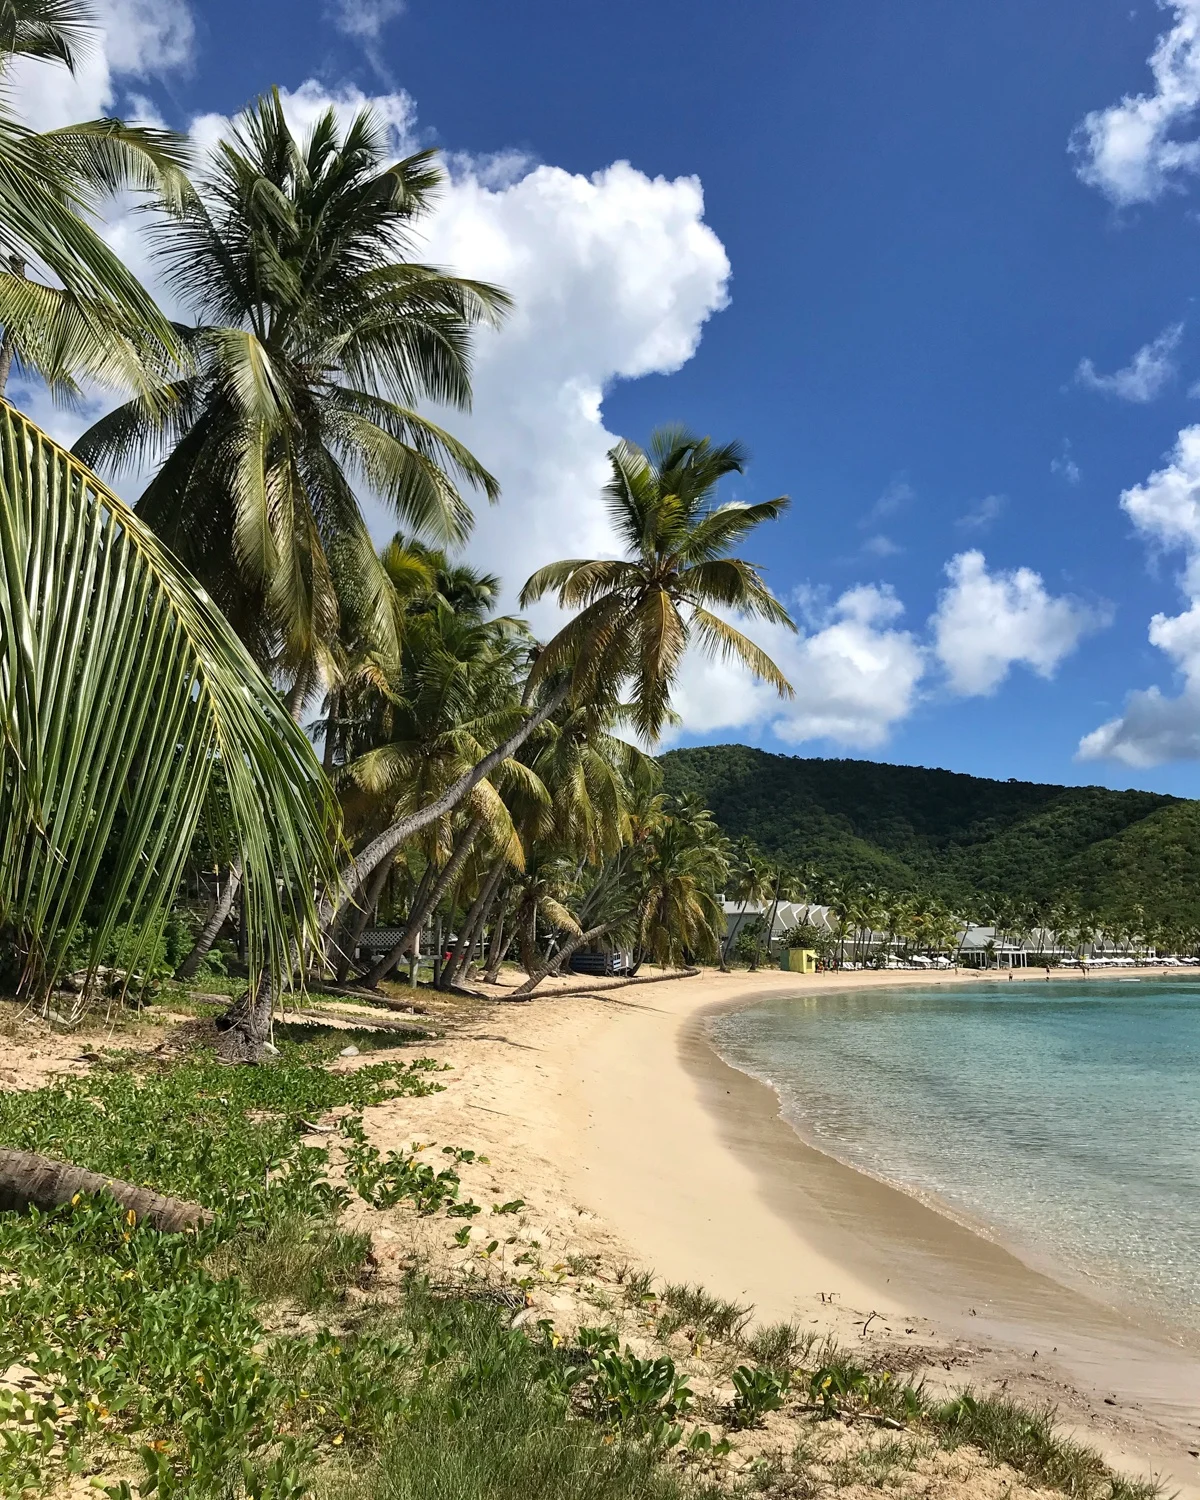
(316,342)
(679,542)
(681,917)
(638,614)
(749,882)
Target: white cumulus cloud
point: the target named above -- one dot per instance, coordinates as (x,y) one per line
(614,276)
(855,674)
(1131,151)
(1144,377)
(986,623)
(1156,728)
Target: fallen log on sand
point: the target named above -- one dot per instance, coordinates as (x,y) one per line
(27,1179)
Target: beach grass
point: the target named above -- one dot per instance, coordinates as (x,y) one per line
(1027,1440)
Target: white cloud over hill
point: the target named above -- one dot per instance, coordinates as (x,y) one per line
(986,623)
(1154,727)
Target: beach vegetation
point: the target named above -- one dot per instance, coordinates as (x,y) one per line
(780,1346)
(758,1391)
(713,1317)
(1028,1440)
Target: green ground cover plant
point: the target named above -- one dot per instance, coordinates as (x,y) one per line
(147,1352)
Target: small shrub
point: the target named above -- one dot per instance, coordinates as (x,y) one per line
(779,1346)
(758,1392)
(644,1396)
(637,1286)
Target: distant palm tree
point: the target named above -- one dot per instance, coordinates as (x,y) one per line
(638,614)
(749,882)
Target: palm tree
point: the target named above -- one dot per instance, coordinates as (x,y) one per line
(750,881)
(638,614)
(68,306)
(315,345)
(679,542)
(680,914)
(123,694)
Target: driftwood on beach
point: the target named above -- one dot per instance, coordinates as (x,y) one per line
(28,1180)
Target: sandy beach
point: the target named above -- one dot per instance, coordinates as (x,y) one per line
(650,1147)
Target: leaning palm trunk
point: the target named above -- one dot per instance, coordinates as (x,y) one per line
(411,823)
(122,689)
(563,956)
(416,917)
(351,936)
(219,915)
(498,951)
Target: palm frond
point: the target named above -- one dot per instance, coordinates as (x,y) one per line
(122,689)
(106,157)
(51,30)
(718,638)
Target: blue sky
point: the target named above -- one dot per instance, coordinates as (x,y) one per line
(857,238)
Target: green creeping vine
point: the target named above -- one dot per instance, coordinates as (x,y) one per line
(395,1178)
(129,1333)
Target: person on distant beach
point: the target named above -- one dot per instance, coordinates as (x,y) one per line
(1047,971)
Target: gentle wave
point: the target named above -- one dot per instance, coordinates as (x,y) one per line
(1062,1118)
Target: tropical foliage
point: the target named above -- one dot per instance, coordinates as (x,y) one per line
(124,695)
(316,342)
(69,308)
(959,840)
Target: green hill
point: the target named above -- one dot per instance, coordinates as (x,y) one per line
(905,827)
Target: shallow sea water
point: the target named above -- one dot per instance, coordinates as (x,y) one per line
(1061,1118)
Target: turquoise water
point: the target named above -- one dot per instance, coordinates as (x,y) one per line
(1062,1118)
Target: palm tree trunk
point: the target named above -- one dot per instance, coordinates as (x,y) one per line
(770,924)
(245,1028)
(351,935)
(8,346)
(331,723)
(498,950)
(475,920)
(416,917)
(404,828)
(216,920)
(41,1182)
(737,927)
(563,956)
(6,359)
(220,913)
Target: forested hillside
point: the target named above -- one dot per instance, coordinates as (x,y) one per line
(907,828)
